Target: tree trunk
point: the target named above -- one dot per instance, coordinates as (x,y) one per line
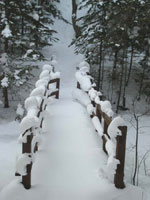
(143,73)
(103,64)
(115,64)
(121,80)
(130,67)
(114,73)
(74,18)
(100,68)
(136,149)
(5,94)
(124,86)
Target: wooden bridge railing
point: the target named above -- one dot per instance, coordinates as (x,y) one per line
(104,121)
(32,123)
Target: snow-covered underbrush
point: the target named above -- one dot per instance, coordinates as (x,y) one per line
(31,125)
(111,130)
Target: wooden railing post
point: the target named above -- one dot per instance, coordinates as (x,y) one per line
(27,148)
(57,86)
(56,93)
(103,137)
(78,85)
(98,113)
(93,103)
(120,155)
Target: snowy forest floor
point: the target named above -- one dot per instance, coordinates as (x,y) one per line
(67,165)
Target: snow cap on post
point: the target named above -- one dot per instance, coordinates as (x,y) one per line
(93,94)
(53,60)
(44,74)
(42,83)
(28,122)
(54,75)
(84,65)
(90,109)
(84,80)
(106,108)
(31,102)
(47,67)
(113,129)
(97,125)
(22,162)
(38,92)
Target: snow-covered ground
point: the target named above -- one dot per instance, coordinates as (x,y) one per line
(9,147)
(67,165)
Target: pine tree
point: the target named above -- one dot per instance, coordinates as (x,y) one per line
(25,28)
(118,31)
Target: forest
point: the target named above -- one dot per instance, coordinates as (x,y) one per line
(106,42)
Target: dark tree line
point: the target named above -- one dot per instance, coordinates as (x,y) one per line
(117,31)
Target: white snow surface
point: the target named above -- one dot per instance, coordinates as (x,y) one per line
(84,65)
(106,108)
(112,162)
(22,161)
(44,74)
(39,91)
(81,97)
(31,102)
(90,109)
(93,94)
(113,129)
(68,160)
(47,67)
(28,122)
(97,125)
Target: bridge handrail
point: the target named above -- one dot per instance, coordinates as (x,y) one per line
(31,124)
(102,117)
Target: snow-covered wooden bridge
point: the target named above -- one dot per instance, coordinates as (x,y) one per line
(71,147)
(82,152)
(112,132)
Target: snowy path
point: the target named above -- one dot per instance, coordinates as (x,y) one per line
(71,156)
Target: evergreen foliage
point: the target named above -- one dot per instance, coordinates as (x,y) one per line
(117,31)
(25,28)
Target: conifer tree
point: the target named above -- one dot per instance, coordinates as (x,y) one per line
(25,28)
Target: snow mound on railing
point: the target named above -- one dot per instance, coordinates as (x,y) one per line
(41,83)
(47,67)
(105,106)
(97,125)
(44,74)
(113,129)
(84,80)
(84,65)
(90,109)
(22,162)
(113,132)
(31,102)
(38,91)
(28,122)
(54,75)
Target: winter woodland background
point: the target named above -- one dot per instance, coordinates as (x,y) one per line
(113,36)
